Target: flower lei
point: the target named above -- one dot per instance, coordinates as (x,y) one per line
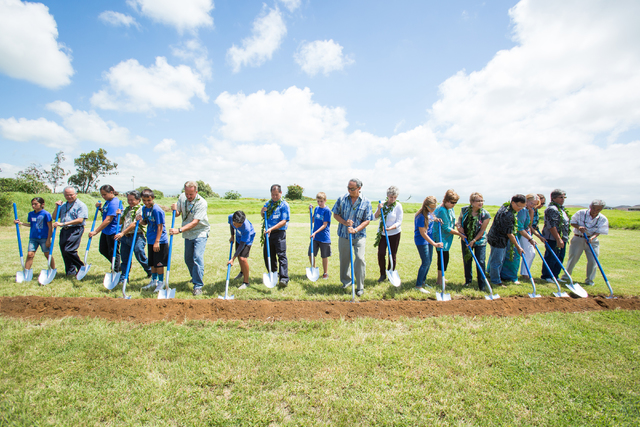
(512,249)
(271,207)
(564,224)
(385,210)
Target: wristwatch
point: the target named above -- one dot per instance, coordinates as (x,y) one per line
(180,230)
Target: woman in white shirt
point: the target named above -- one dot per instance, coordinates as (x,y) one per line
(392,211)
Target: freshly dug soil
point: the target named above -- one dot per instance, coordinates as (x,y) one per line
(153,310)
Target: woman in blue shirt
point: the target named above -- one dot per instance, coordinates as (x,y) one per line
(108,226)
(423,238)
(447,215)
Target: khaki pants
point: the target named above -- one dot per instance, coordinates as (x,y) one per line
(359,264)
(579,245)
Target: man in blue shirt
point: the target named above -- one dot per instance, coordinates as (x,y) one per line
(353,213)
(278,214)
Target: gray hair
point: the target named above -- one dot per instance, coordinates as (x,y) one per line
(68,187)
(393,191)
(557,193)
(357,182)
(598,203)
(276,186)
(135,194)
(191,184)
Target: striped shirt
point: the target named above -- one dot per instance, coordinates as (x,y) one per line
(358,212)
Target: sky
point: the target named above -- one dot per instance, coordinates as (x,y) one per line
(500,97)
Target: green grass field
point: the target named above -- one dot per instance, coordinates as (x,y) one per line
(546,369)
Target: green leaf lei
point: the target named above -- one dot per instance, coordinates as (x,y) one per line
(385,210)
(563,223)
(271,207)
(471,226)
(512,249)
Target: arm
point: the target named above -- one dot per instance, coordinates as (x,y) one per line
(324,225)
(425,236)
(174,207)
(556,236)
(189,226)
(156,244)
(127,230)
(399,217)
(277,226)
(340,220)
(478,236)
(105,223)
(514,242)
(50,225)
(359,228)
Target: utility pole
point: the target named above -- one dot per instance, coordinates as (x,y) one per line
(133,180)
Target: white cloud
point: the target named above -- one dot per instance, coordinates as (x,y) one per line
(28,45)
(41,130)
(291,4)
(183,15)
(134,87)
(118,19)
(89,126)
(165,146)
(322,56)
(267,34)
(193,50)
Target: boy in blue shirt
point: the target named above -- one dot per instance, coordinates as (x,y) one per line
(242,233)
(321,235)
(157,242)
(275,229)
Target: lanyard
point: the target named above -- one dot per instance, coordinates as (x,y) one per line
(192,207)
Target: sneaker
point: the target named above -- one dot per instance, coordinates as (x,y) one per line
(239,276)
(516,282)
(243,286)
(423,290)
(159,286)
(467,284)
(346,285)
(152,284)
(382,279)
(282,283)
(359,292)
(197,291)
(550,280)
(563,279)
(325,276)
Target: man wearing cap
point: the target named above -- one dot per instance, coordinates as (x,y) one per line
(592,223)
(556,230)
(195,231)
(71,220)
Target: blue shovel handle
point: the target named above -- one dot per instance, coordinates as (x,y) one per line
(604,276)
(115,245)
(15,214)
(266,240)
(53,235)
(353,286)
(173,223)
(135,235)
(384,225)
(93,226)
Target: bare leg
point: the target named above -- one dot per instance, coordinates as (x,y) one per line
(325,265)
(29,261)
(244,267)
(53,262)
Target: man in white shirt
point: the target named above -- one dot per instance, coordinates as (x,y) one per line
(593,223)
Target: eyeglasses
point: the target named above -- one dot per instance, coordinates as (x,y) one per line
(352,188)
(478,200)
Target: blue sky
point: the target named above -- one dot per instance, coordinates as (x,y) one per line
(499,97)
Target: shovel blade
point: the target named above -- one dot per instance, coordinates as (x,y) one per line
(83,271)
(24,276)
(492,297)
(578,290)
(441,296)
(227,297)
(270,280)
(46,276)
(313,273)
(561,294)
(534,296)
(166,294)
(111,280)
(394,278)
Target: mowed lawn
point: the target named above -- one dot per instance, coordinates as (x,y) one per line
(546,369)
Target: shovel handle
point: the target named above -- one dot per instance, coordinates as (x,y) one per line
(15,214)
(173,223)
(353,283)
(604,276)
(386,235)
(93,226)
(559,262)
(266,240)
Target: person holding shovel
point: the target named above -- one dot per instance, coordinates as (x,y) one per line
(153,217)
(556,230)
(72,217)
(242,233)
(473,222)
(128,222)
(353,213)
(321,235)
(108,226)
(195,231)
(393,213)
(447,215)
(275,229)
(41,224)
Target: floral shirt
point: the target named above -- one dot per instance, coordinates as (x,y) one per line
(553,217)
(502,225)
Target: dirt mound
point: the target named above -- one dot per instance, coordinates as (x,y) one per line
(153,310)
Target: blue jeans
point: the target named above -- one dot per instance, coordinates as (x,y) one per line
(481,253)
(138,251)
(426,255)
(496,258)
(194,258)
(554,265)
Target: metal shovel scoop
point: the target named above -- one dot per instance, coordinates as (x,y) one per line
(226,287)
(270,278)
(313,273)
(491,296)
(46,276)
(167,293)
(558,294)
(441,296)
(573,287)
(85,268)
(111,279)
(392,274)
(24,275)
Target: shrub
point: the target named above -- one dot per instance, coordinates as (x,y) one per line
(6,209)
(232,195)
(294,192)
(159,194)
(19,185)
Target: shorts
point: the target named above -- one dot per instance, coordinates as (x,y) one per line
(34,244)
(158,259)
(325,249)
(244,253)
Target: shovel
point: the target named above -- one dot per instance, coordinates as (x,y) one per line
(270,278)
(441,296)
(226,287)
(167,293)
(573,287)
(491,296)
(46,276)
(111,279)
(85,268)
(601,270)
(126,273)
(313,273)
(533,283)
(558,294)
(353,282)
(392,275)
(24,275)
